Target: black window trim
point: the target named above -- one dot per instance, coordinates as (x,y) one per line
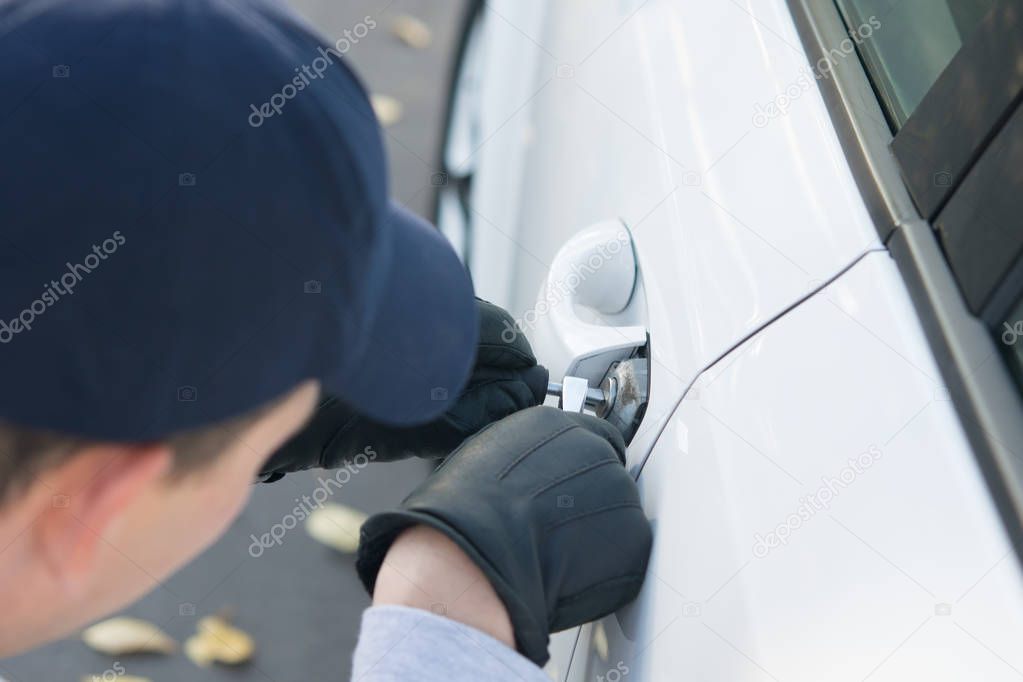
(987,402)
(965,108)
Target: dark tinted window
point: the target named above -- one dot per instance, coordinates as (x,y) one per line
(915,42)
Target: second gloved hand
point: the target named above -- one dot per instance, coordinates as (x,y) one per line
(542,504)
(504,380)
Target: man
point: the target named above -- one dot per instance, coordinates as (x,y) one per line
(183,278)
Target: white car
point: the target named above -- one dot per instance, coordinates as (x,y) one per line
(804,216)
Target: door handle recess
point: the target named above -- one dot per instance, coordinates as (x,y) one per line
(593,277)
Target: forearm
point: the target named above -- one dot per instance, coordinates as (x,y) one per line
(425,570)
(436,618)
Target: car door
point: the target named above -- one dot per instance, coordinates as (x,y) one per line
(702,129)
(818,514)
(893,559)
(640,112)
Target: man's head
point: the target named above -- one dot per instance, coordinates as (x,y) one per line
(87,527)
(167,265)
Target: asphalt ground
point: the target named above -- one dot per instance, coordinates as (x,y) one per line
(300,600)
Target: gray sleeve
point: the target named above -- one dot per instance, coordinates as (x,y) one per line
(397,644)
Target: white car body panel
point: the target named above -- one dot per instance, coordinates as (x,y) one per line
(732,223)
(506,86)
(905,574)
(773,308)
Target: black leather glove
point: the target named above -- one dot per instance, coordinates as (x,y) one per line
(505,379)
(542,503)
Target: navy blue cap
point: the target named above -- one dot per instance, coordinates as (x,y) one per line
(195,218)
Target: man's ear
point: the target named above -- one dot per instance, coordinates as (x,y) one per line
(91,491)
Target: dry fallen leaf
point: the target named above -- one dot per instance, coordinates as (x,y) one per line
(199,650)
(412,31)
(123,635)
(387,109)
(217,640)
(337,526)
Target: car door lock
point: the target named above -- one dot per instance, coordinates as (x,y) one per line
(621,398)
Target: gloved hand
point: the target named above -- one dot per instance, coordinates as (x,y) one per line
(505,379)
(542,503)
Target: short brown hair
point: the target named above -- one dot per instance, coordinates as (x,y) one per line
(26,453)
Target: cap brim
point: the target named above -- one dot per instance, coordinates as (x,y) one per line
(421,345)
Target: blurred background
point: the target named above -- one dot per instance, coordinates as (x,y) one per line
(301,601)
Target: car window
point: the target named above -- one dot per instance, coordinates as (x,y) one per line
(915,42)
(947,74)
